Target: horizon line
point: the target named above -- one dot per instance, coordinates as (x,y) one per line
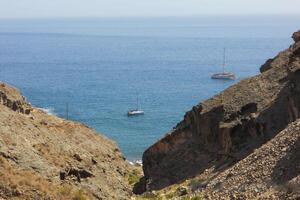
(149,17)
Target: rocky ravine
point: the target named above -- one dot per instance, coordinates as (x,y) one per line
(220,131)
(46,157)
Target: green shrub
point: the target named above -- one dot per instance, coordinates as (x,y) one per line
(170,195)
(65,190)
(133,177)
(185,198)
(192,198)
(79,196)
(197,198)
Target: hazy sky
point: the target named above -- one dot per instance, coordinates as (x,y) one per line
(116,8)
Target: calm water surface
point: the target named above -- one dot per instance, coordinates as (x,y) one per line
(98,65)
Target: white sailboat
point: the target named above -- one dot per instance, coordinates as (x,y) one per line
(137,111)
(224,74)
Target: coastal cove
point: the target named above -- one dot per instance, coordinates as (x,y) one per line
(96,66)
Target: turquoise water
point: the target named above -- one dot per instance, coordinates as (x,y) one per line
(98,65)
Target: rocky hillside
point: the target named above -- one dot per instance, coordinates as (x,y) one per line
(46,157)
(270,172)
(225,129)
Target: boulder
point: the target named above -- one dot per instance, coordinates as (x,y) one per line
(181,191)
(296,36)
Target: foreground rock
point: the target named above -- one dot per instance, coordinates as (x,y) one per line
(226,128)
(270,172)
(46,157)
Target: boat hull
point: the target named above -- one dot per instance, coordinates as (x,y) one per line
(135,112)
(224,76)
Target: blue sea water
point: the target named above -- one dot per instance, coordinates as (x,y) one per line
(98,65)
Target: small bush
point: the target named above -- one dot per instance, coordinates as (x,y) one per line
(65,190)
(197,198)
(133,177)
(79,196)
(192,198)
(194,181)
(185,198)
(170,195)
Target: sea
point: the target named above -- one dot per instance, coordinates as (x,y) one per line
(98,66)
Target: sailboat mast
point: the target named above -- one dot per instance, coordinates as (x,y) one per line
(137,101)
(224,62)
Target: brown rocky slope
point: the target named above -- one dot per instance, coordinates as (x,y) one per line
(46,157)
(226,128)
(270,172)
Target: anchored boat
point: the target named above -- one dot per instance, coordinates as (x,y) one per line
(224,74)
(137,111)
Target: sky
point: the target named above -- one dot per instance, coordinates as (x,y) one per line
(143,8)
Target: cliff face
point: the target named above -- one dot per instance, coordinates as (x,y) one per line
(226,128)
(12,98)
(271,171)
(46,157)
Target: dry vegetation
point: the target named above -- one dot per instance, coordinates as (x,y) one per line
(24,184)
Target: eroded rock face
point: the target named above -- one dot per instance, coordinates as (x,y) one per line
(78,173)
(227,127)
(11,98)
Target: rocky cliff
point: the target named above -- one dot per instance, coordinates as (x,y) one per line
(228,127)
(46,157)
(270,172)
